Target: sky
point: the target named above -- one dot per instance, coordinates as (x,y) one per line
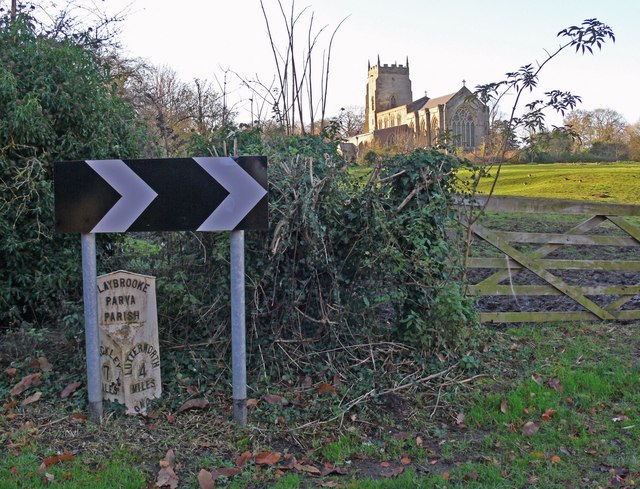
(445,42)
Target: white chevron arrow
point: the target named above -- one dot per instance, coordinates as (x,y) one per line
(244,193)
(136,195)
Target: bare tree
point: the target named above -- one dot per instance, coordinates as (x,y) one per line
(292,96)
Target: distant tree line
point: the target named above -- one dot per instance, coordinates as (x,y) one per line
(587,135)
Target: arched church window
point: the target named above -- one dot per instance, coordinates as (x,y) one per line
(373,104)
(393,100)
(434,129)
(463,128)
(398,120)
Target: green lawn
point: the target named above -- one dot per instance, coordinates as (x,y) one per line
(602,182)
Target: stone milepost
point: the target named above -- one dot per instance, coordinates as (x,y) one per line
(129,347)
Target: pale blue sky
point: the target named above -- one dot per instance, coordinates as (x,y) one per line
(446,42)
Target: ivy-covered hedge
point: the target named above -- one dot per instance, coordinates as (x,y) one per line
(346,260)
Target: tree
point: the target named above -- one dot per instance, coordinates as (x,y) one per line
(292,94)
(351,121)
(173,110)
(584,38)
(56,103)
(597,126)
(547,146)
(633,136)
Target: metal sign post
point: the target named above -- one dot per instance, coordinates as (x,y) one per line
(91,331)
(238,329)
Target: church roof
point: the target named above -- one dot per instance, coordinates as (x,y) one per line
(434,102)
(417,104)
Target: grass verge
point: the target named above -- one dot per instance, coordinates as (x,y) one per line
(543,406)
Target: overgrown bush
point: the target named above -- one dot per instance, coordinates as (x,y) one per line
(56,103)
(345,263)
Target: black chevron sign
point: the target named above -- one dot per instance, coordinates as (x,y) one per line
(176,194)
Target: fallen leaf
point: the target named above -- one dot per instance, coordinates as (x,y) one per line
(35,397)
(530,428)
(11,416)
(56,459)
(229,471)
(325,388)
(275,399)
(44,475)
(170,458)
(400,435)
(555,384)
(10,371)
(419,441)
(193,404)
(193,390)
(393,472)
(267,458)
(537,378)
(243,459)
(70,389)
(405,460)
(538,455)
(25,383)
(460,418)
(385,464)
(167,477)
(328,469)
(251,403)
(471,476)
(9,405)
(166,474)
(206,480)
(308,469)
(546,416)
(555,459)
(328,484)
(503,406)
(78,418)
(446,475)
(44,364)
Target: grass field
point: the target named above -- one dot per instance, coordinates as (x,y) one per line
(602,182)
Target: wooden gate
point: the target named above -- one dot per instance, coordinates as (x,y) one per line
(541,253)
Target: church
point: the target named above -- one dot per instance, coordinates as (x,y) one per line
(392,117)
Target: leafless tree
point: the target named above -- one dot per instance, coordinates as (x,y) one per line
(292,96)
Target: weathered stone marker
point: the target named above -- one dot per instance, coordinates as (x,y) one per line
(129,349)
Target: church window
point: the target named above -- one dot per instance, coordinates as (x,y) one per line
(463,128)
(393,101)
(434,129)
(398,120)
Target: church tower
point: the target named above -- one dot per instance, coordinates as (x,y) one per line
(387,87)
